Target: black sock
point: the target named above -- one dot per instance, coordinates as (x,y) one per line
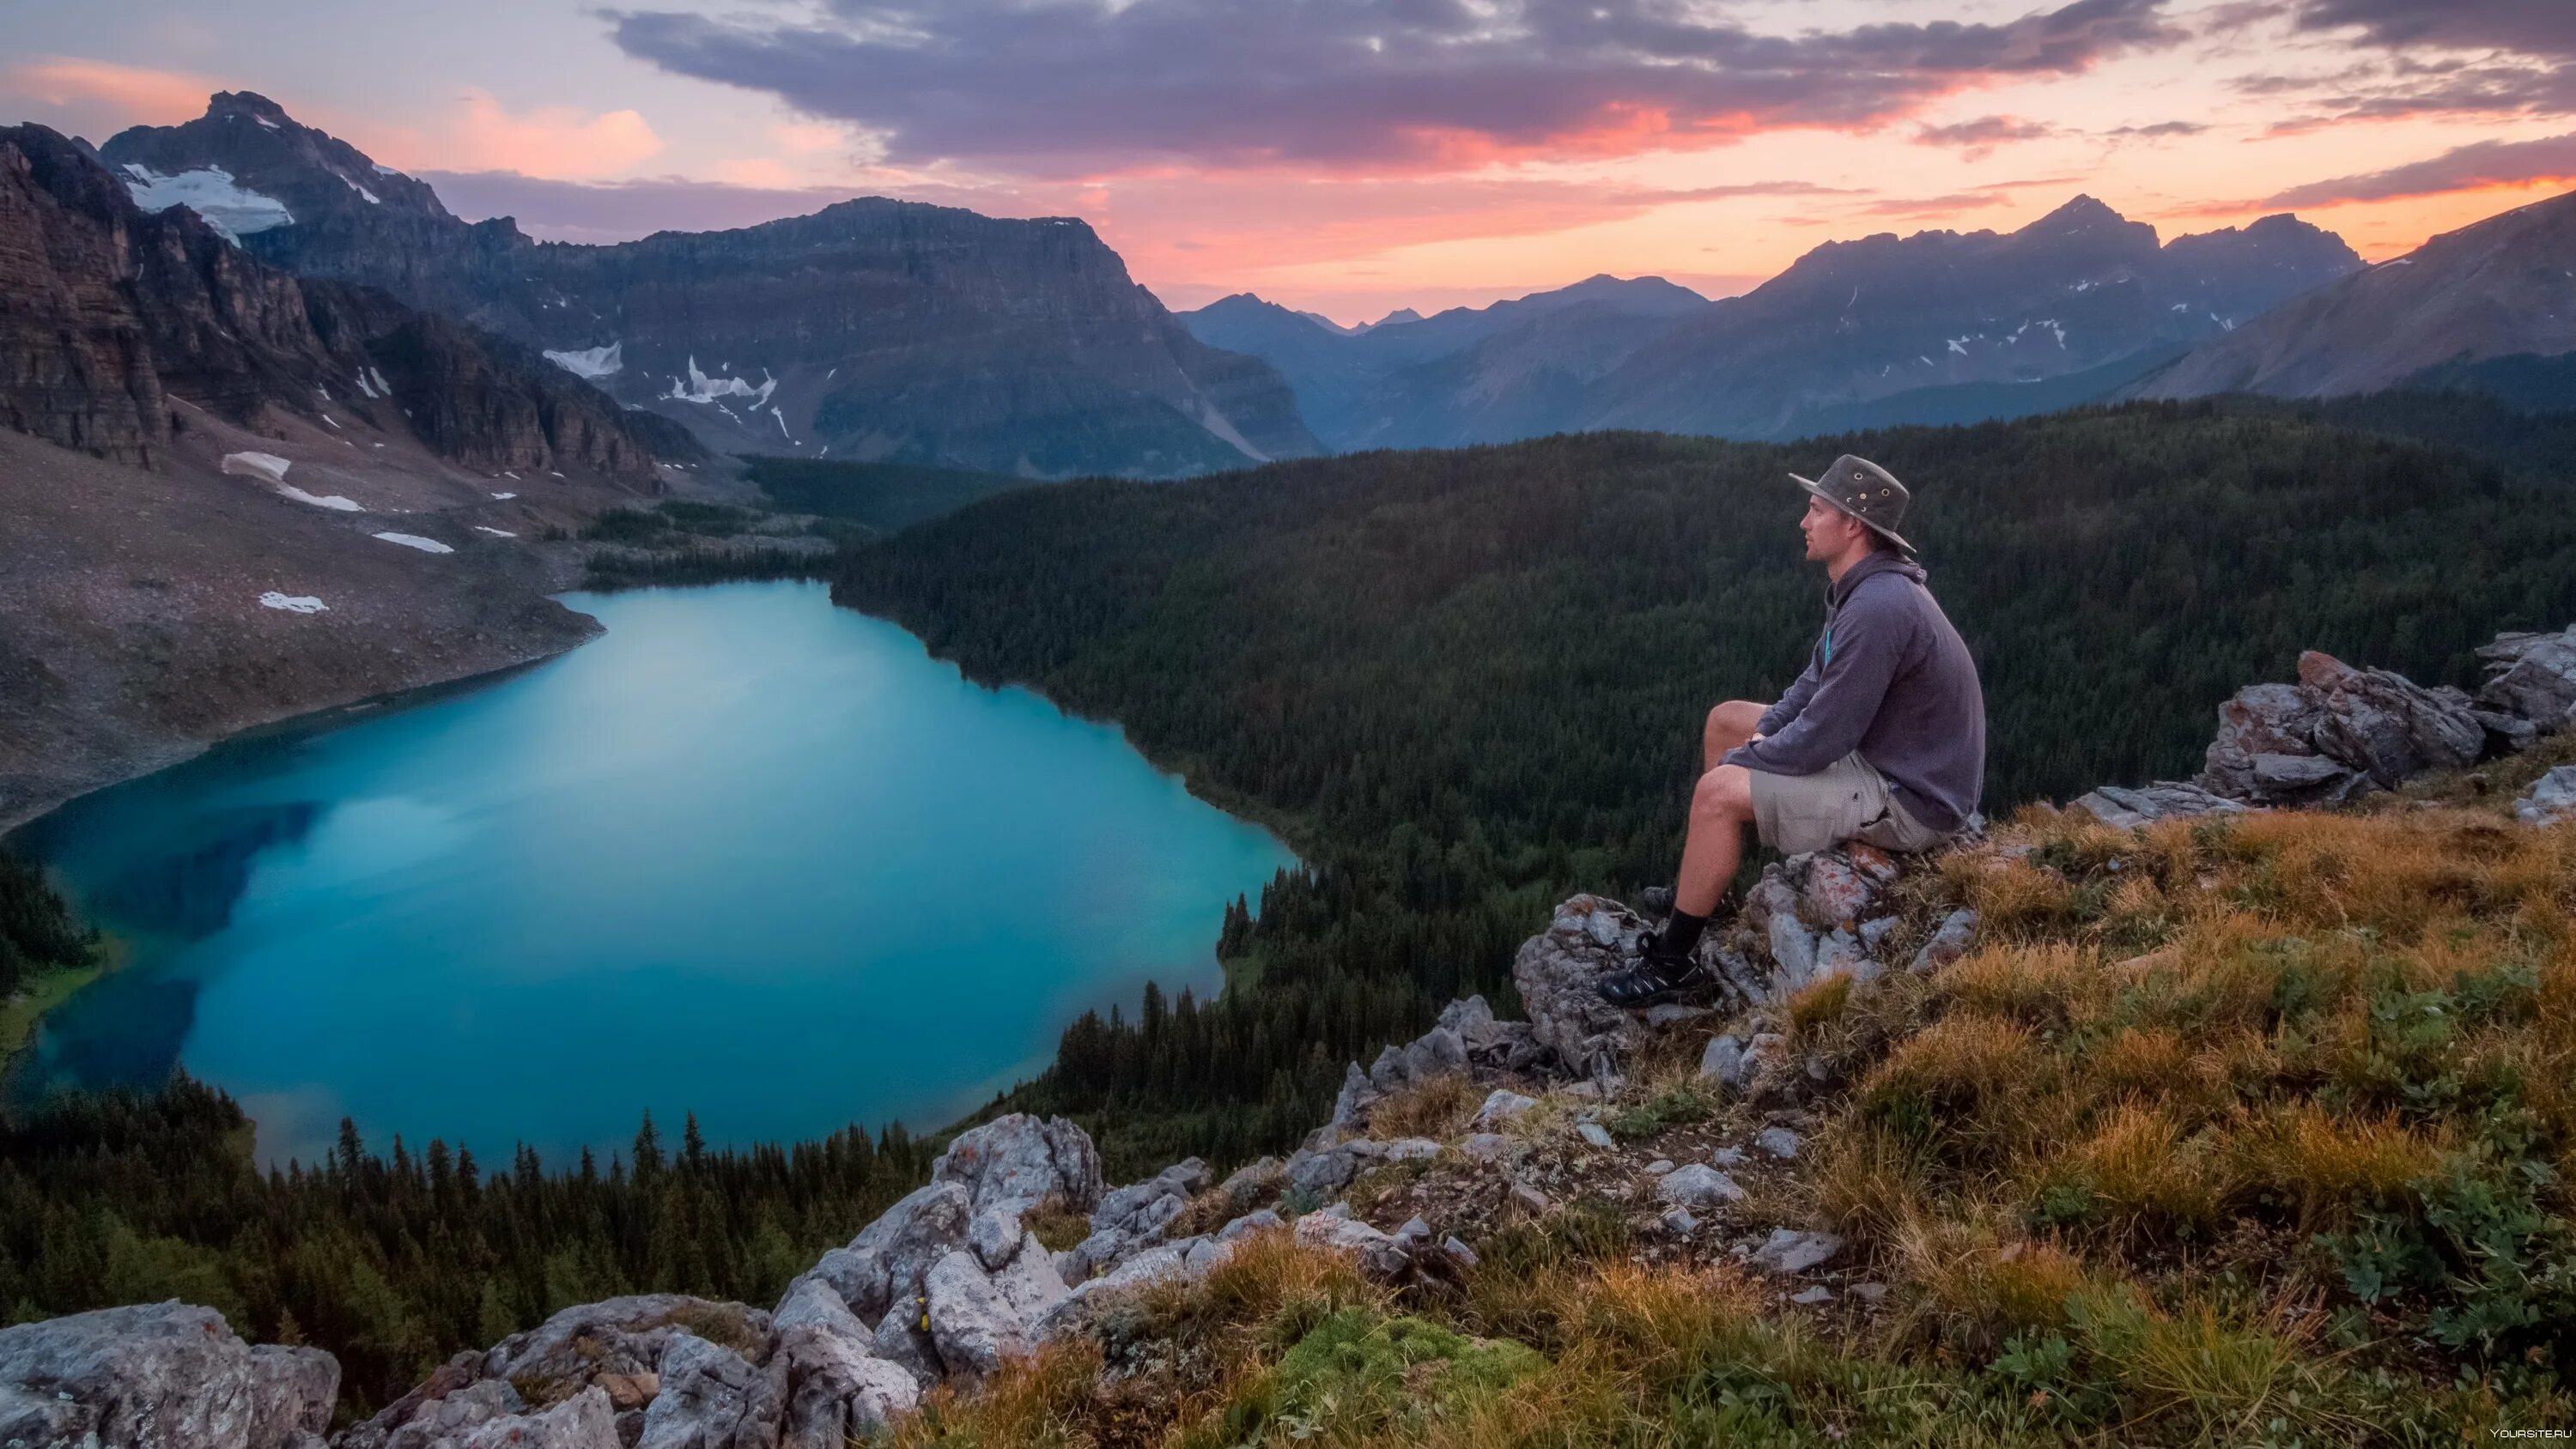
(1680,933)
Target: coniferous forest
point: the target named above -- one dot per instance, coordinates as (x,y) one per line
(1463,685)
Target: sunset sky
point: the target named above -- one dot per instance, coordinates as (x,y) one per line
(1352,156)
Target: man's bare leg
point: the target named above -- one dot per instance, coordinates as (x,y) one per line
(1730,724)
(1721,806)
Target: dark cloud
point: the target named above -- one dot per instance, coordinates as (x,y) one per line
(1068,86)
(1931,206)
(2157,132)
(2527,27)
(1984,133)
(2483,163)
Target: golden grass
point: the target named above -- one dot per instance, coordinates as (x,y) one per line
(1439,1109)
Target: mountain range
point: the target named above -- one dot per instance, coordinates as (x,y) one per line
(1938,326)
(872,329)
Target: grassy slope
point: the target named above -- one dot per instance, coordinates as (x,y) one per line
(2243,1133)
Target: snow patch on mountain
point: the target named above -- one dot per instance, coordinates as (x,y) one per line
(590,363)
(700,388)
(211,193)
(414,540)
(293,603)
(333,501)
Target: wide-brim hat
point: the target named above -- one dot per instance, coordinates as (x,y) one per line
(1867,492)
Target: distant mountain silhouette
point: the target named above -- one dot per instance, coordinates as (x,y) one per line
(2491,290)
(873,329)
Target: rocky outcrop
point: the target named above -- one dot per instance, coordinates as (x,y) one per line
(2340,732)
(158,1376)
(2551,798)
(872,329)
(108,312)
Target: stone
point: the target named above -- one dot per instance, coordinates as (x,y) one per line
(1378,1253)
(903,1339)
(1434,1053)
(1136,1217)
(1839,953)
(1320,1174)
(1415,1233)
(1817,1294)
(1459,1253)
(1019,1159)
(627,1391)
(810,1303)
(1950,941)
(1875,931)
(1698,1186)
(1780,1142)
(1258,1221)
(837,1390)
(1411,1149)
(2128,809)
(1834,894)
(2551,798)
(583,1421)
(616,1335)
(1486,1146)
(971,1323)
(440,1409)
(854,1278)
(1386,1074)
(1793,953)
(1767,1067)
(1354,1098)
(1501,1106)
(1467,1017)
(925,1226)
(2337,732)
(994,1235)
(1790,1250)
(1672,1013)
(1659,1167)
(1728,1157)
(1529,1199)
(1594,1133)
(1722,1061)
(711,1398)
(2532,677)
(159,1376)
(1253,1182)
(1558,973)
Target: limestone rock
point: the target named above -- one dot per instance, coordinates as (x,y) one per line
(1467,1018)
(974,1326)
(837,1390)
(1435,1052)
(994,1235)
(2128,809)
(1950,941)
(2532,677)
(1254,1182)
(1136,1217)
(926,1226)
(1789,1250)
(903,1339)
(2551,798)
(1502,1105)
(2336,733)
(1557,972)
(1356,1095)
(583,1421)
(1018,1159)
(1252,1222)
(712,1398)
(853,1278)
(159,1376)
(1780,1142)
(1698,1186)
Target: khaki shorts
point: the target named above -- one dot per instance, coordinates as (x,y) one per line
(1846,800)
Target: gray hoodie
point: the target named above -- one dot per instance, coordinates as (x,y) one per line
(1891,679)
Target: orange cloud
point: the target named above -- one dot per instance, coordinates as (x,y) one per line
(140,94)
(559,143)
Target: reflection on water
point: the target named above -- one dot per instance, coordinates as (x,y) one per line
(746,855)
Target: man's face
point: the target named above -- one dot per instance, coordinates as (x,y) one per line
(1829,530)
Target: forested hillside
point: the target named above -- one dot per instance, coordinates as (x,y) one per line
(1466,683)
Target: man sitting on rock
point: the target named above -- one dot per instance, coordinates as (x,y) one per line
(1882,739)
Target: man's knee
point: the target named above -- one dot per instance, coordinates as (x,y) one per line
(1731,724)
(1724,793)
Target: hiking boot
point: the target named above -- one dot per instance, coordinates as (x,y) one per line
(1659,976)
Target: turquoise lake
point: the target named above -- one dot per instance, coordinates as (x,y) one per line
(745,855)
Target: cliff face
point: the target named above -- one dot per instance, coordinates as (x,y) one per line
(871,329)
(108,312)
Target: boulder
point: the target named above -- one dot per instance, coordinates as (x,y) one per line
(853,1277)
(1722,1061)
(974,1326)
(837,1391)
(583,1421)
(1379,1253)
(441,1408)
(616,1335)
(2338,732)
(2128,809)
(712,1398)
(1834,892)
(926,1226)
(1354,1098)
(1248,1224)
(995,1235)
(1502,1105)
(1780,1142)
(1386,1074)
(1840,953)
(1134,1218)
(1468,1018)
(811,1303)
(158,1376)
(1018,1159)
(903,1339)
(1557,972)
(1319,1174)
(1255,1182)
(1434,1053)
(2551,798)
(2531,677)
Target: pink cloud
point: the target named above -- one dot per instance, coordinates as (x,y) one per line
(560,143)
(137,94)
